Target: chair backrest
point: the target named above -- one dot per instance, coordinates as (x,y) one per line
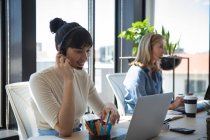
(115,80)
(20,99)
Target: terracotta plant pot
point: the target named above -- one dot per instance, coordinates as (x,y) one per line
(170,62)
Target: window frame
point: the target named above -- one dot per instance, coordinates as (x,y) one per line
(3,63)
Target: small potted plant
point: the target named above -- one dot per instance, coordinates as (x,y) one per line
(169,60)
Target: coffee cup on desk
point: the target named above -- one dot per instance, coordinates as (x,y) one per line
(181,96)
(190,104)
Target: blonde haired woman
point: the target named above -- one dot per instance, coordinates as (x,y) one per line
(144,76)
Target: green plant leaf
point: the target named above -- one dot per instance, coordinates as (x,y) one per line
(139,29)
(170,47)
(134,51)
(122,34)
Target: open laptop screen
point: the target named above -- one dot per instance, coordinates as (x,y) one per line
(207,95)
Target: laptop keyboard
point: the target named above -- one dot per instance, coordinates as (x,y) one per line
(121,137)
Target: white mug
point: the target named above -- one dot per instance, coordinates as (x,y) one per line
(181,96)
(190,104)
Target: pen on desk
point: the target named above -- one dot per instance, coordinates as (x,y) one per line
(108,128)
(101,120)
(167,120)
(105,129)
(92,127)
(108,125)
(97,126)
(89,130)
(108,117)
(101,129)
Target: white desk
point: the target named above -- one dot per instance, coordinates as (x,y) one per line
(198,123)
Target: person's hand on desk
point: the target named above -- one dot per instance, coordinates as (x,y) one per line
(179,101)
(114,116)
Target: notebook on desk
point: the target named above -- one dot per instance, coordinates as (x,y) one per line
(148,117)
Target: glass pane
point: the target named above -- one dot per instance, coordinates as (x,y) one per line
(192,29)
(104,46)
(0,57)
(46,11)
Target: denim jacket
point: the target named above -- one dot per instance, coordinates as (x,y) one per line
(138,83)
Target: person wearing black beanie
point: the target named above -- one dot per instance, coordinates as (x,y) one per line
(62,93)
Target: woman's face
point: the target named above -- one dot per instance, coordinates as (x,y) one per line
(78,57)
(157,51)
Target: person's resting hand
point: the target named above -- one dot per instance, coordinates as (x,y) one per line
(114,117)
(179,101)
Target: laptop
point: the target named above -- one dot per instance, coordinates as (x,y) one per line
(207,95)
(148,117)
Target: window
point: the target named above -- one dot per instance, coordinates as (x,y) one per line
(65,9)
(197,86)
(192,28)
(104,35)
(1,62)
(104,46)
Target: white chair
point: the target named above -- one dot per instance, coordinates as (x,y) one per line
(20,99)
(115,80)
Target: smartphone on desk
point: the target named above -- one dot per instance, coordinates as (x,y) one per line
(182,130)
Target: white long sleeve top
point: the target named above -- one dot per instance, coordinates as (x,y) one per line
(47,94)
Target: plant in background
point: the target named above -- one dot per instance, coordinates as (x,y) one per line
(170,61)
(139,29)
(170,47)
(136,32)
